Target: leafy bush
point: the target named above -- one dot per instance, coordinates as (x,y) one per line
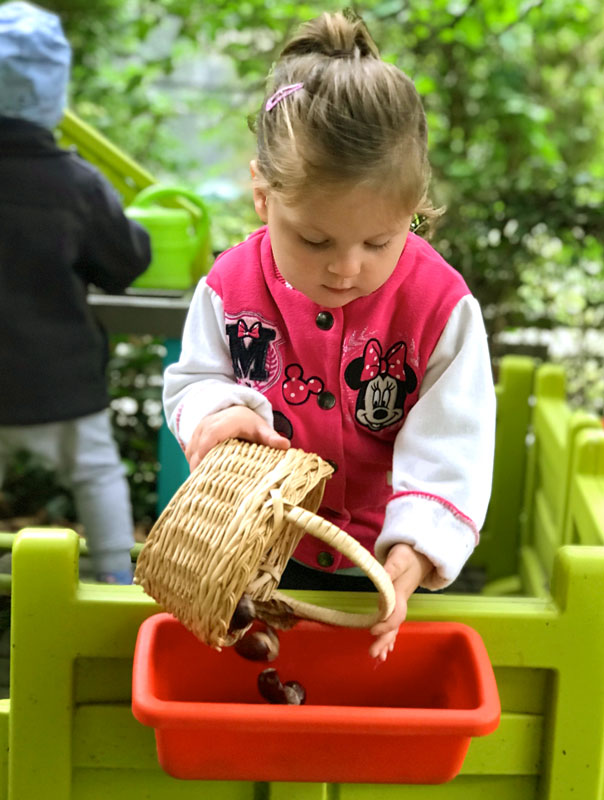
(31,492)
(513,93)
(135,381)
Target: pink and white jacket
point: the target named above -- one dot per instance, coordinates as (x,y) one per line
(394,389)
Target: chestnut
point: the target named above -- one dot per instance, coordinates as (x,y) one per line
(262,645)
(276,613)
(244,614)
(293,689)
(271,688)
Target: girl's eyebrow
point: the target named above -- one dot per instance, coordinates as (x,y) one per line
(307,224)
(309,228)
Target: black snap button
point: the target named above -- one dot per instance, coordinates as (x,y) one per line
(324,320)
(333,465)
(326,401)
(324,559)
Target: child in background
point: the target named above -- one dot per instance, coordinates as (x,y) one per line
(336,328)
(61,228)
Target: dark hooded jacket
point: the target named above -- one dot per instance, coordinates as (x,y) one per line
(62,228)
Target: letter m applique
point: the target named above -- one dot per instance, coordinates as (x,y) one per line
(249,348)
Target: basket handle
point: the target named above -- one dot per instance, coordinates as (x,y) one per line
(335,537)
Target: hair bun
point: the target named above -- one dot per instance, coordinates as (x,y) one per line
(338,35)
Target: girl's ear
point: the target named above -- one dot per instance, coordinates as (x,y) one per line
(260,197)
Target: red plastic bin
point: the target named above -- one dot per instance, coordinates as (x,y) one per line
(408,720)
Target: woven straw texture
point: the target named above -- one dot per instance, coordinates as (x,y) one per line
(231,528)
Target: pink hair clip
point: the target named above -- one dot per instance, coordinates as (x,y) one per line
(284,91)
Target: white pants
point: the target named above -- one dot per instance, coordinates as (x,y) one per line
(86,459)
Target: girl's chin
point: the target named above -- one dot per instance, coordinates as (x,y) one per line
(335,298)
(328,297)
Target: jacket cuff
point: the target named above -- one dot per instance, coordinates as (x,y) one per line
(433,527)
(200,404)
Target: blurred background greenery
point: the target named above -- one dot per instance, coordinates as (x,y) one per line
(513,91)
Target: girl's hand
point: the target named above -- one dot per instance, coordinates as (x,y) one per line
(236,422)
(407,568)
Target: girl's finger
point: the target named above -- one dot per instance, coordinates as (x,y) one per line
(264,434)
(383,645)
(275,439)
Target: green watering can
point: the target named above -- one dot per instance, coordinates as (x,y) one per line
(180,236)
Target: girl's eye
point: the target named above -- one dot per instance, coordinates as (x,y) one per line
(308,242)
(378,246)
(325,243)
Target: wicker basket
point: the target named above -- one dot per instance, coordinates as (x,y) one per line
(232,527)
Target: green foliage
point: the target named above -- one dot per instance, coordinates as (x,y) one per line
(232,221)
(563,281)
(30,490)
(513,92)
(135,382)
(516,143)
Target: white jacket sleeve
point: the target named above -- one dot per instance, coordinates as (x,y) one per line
(443,454)
(203,382)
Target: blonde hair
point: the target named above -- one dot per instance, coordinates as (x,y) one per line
(356,119)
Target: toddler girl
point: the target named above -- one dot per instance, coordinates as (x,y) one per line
(336,328)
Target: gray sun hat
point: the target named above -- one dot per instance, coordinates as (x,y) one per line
(35,59)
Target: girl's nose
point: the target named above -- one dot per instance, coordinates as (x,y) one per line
(345,266)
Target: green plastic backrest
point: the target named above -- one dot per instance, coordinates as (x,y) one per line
(499,540)
(585,518)
(555,428)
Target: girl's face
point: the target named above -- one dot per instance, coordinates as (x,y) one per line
(335,246)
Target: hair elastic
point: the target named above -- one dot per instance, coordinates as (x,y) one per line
(281,93)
